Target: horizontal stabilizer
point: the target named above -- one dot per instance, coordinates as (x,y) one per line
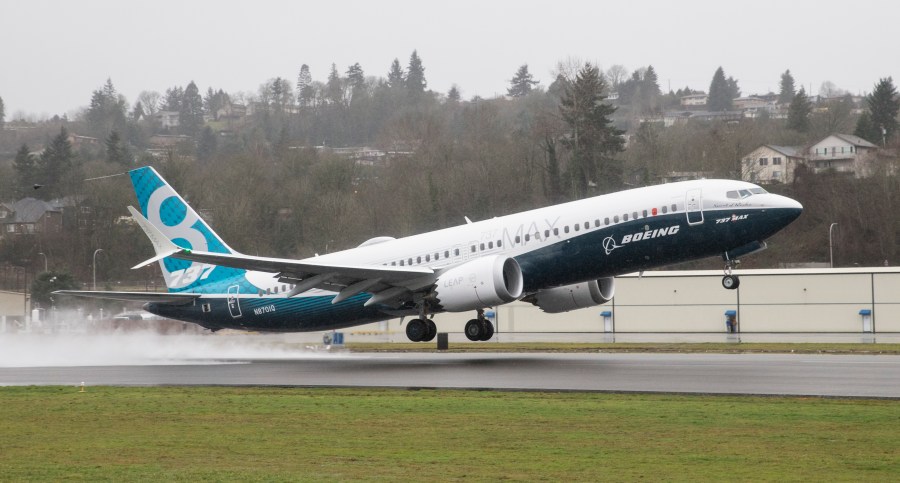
(155,297)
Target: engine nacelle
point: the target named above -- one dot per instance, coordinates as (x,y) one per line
(575,296)
(479,283)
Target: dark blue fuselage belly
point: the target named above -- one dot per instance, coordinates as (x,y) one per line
(626,247)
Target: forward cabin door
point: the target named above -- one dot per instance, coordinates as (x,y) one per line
(693,207)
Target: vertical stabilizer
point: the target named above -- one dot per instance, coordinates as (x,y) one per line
(176,220)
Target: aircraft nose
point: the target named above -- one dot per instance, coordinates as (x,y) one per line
(790,206)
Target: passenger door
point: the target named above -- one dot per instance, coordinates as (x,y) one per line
(693,204)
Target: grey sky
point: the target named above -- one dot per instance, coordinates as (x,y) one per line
(54,53)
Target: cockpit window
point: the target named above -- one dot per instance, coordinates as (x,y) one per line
(741,194)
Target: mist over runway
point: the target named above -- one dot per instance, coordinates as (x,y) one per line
(156,360)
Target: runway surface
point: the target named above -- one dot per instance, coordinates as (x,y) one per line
(776,374)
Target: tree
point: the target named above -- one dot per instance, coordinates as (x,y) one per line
(2,113)
(206,145)
(55,165)
(521,83)
(356,80)
(107,110)
(883,107)
(190,114)
(48,282)
(415,76)
(722,91)
(26,170)
(799,111)
(616,75)
(396,78)
(172,99)
(305,92)
(334,88)
(453,94)
(829,89)
(116,150)
(593,139)
(867,129)
(138,112)
(787,91)
(150,101)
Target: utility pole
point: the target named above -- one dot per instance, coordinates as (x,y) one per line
(95,267)
(831,244)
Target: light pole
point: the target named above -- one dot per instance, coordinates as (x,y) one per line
(95,266)
(45,261)
(831,244)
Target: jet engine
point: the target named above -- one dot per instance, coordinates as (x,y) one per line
(575,296)
(479,283)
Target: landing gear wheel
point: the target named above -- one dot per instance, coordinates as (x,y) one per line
(416,330)
(474,330)
(731,282)
(487,329)
(432,331)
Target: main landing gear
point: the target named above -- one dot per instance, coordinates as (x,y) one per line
(421,330)
(730,281)
(479,329)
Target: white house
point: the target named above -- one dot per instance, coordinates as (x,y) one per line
(771,164)
(694,100)
(168,119)
(844,153)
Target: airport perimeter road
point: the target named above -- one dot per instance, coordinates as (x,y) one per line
(783,374)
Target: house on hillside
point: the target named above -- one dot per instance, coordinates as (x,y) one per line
(843,153)
(29,216)
(168,119)
(771,164)
(694,100)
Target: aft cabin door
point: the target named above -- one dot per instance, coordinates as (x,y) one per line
(693,207)
(234,304)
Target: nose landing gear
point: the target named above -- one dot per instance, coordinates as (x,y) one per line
(729,281)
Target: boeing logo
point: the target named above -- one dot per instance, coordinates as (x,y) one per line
(609,243)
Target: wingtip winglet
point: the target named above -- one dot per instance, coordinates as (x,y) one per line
(161,243)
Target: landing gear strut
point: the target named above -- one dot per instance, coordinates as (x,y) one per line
(730,281)
(479,329)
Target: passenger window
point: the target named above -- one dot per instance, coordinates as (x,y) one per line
(410,262)
(546,233)
(518,239)
(625,217)
(635,215)
(499,244)
(577,227)
(597,223)
(401,263)
(418,260)
(587,225)
(481,247)
(616,219)
(527,237)
(473,248)
(490,245)
(665,210)
(606,221)
(456,252)
(447,253)
(427,258)
(645,213)
(674,208)
(394,264)
(556,231)
(260,293)
(566,229)
(268,291)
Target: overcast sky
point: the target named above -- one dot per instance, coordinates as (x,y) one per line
(54,53)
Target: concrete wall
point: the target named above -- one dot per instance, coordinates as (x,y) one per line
(820,300)
(11,304)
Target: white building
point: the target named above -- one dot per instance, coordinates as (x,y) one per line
(771,164)
(168,119)
(694,100)
(843,153)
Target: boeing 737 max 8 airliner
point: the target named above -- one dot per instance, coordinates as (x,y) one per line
(559,258)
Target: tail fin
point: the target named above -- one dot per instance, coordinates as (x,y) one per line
(175,219)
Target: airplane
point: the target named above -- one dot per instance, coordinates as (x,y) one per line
(559,258)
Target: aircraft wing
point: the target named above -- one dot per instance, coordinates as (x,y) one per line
(386,283)
(156,297)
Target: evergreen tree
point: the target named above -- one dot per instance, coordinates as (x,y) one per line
(453,94)
(172,99)
(396,78)
(26,170)
(2,113)
(107,110)
(867,129)
(55,165)
(787,92)
(799,111)
(190,114)
(593,139)
(116,150)
(522,83)
(883,107)
(138,112)
(415,76)
(334,88)
(305,92)
(356,80)
(649,91)
(720,93)
(206,145)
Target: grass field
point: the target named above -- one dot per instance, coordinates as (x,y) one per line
(225,433)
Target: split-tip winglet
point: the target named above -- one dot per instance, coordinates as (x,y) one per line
(161,243)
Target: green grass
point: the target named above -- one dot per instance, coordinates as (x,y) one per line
(270,434)
(696,347)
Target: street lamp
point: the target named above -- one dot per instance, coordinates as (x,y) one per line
(45,261)
(831,243)
(95,266)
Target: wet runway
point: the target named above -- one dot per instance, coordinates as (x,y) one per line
(776,374)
